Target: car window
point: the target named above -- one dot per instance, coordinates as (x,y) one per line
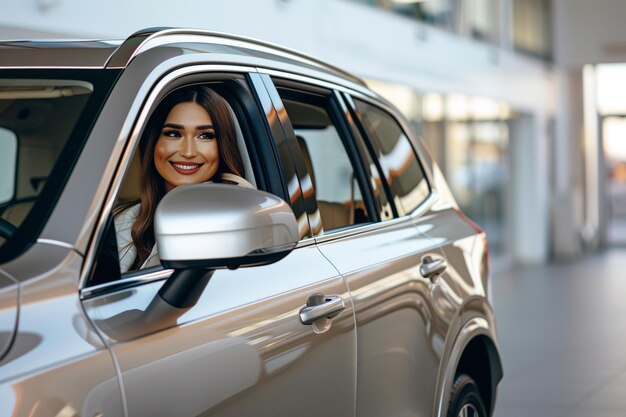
(401,169)
(193,135)
(44,119)
(331,171)
(8,163)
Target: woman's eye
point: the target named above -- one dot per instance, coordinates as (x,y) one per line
(171,133)
(207,135)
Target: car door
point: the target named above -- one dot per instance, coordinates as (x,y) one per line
(378,247)
(243,348)
(400,329)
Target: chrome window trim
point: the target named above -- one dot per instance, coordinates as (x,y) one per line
(122,284)
(305,242)
(320,80)
(425,206)
(178,35)
(419,211)
(140,279)
(54,242)
(127,141)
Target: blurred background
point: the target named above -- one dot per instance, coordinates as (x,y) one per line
(523,105)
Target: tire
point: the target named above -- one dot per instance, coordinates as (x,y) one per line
(465,399)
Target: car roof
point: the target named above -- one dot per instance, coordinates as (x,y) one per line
(119,54)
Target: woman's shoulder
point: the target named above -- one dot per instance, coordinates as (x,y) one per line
(237,180)
(125,216)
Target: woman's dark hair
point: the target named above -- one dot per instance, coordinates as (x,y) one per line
(152,184)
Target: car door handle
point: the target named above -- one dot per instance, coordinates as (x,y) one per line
(431,267)
(319,306)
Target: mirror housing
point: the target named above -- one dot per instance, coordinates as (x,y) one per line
(212,226)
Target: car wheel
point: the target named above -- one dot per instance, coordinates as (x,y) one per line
(465,399)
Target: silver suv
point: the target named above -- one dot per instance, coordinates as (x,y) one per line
(330,273)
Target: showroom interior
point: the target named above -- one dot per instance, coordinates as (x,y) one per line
(522,103)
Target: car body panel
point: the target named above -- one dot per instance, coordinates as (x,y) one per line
(399,341)
(59,54)
(463,302)
(57,361)
(241,350)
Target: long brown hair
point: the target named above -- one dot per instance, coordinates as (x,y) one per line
(153,185)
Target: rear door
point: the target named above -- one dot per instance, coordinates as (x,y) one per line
(400,332)
(243,348)
(373,242)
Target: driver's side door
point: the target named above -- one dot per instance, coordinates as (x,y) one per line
(242,349)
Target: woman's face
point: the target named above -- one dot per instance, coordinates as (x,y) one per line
(186,151)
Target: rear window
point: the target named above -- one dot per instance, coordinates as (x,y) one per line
(404,175)
(45,117)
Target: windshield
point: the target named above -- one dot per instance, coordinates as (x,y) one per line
(45,117)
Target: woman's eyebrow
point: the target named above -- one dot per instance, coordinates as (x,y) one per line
(177,126)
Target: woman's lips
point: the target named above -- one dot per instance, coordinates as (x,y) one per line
(185,168)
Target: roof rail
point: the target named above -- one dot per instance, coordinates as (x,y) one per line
(140,41)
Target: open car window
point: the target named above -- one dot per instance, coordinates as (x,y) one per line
(119,253)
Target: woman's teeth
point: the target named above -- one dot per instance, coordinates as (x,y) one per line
(186,167)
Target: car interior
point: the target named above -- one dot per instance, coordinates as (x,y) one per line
(131,188)
(337,192)
(40,115)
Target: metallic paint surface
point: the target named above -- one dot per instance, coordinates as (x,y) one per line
(221,221)
(463,299)
(57,362)
(241,350)
(75,54)
(398,332)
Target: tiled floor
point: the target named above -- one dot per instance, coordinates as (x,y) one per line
(562,333)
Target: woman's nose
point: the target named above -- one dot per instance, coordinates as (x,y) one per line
(188,147)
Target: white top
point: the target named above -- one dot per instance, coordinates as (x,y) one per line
(124,222)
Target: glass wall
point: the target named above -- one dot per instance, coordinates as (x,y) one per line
(611,109)
(479,19)
(469,139)
(532,27)
(529,26)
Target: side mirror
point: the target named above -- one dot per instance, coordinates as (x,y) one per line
(203,227)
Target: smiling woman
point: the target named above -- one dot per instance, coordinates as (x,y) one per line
(186,151)
(190,138)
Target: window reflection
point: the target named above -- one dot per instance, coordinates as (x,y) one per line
(528,29)
(479,20)
(397,158)
(468,137)
(532,28)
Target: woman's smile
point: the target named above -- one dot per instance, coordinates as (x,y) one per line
(186,168)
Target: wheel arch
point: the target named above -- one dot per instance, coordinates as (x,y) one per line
(481,350)
(474,346)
